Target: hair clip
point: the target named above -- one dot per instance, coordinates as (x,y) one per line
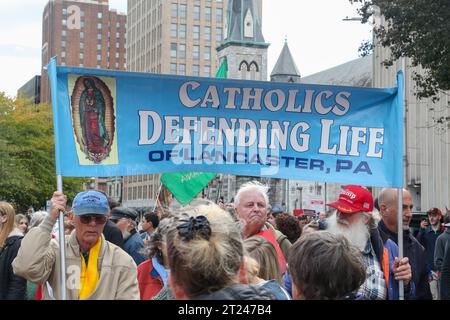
(191,226)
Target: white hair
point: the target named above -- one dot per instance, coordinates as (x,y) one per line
(37,218)
(357,233)
(252,186)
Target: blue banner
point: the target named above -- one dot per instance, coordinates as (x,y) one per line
(112,123)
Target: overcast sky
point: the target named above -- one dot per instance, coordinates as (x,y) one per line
(316,34)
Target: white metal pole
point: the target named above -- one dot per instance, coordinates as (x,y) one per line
(62,243)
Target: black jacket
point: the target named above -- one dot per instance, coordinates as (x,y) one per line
(112,234)
(417,259)
(12,287)
(445,274)
(427,237)
(239,292)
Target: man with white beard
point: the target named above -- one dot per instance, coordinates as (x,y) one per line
(353,219)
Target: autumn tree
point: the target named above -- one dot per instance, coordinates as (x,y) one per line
(27,162)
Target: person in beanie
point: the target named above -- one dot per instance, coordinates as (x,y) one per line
(353,220)
(95,268)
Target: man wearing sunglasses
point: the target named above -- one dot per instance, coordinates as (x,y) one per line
(95,268)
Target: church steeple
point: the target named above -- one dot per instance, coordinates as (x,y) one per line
(243,23)
(244,46)
(285,69)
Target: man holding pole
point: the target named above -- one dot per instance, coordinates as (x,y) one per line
(415,252)
(95,268)
(353,219)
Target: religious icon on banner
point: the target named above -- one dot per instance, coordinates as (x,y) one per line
(93,118)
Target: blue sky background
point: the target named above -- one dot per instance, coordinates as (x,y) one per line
(317,36)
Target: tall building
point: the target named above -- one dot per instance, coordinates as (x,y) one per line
(82,33)
(170,37)
(31,90)
(175,37)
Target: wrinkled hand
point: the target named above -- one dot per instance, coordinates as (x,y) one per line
(58,203)
(402,270)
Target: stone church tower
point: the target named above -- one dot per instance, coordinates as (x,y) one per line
(244,46)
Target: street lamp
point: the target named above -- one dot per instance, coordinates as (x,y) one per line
(300,198)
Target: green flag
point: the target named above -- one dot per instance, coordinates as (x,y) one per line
(185,186)
(223,69)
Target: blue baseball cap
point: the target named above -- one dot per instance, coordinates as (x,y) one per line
(90,202)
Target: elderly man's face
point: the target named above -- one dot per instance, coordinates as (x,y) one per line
(389,212)
(89,227)
(252,209)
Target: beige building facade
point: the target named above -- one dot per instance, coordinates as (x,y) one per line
(170,37)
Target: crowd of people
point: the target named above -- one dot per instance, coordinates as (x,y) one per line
(245,250)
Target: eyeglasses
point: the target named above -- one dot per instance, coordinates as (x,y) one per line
(99,219)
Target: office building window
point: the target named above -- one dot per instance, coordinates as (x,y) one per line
(173,50)
(81,55)
(82,24)
(207,71)
(173,68)
(195,70)
(219,15)
(182,69)
(63,33)
(81,35)
(63,54)
(99,36)
(99,47)
(173,30)
(207,53)
(117,45)
(207,35)
(174,10)
(196,33)
(99,57)
(99,26)
(182,51)
(195,52)
(99,15)
(183,11)
(81,45)
(182,32)
(117,55)
(63,44)
(208,13)
(196,12)
(219,32)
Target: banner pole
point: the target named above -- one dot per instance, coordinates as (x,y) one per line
(62,243)
(52,75)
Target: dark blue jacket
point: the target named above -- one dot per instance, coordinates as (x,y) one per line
(392,251)
(133,246)
(427,237)
(417,259)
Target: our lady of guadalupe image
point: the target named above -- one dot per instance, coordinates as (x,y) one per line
(93,117)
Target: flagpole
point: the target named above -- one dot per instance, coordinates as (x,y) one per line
(401,105)
(52,75)
(62,243)
(157,197)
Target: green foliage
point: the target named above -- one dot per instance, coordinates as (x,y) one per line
(418,29)
(27,161)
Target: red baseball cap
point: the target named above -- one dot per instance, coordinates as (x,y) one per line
(353,199)
(435,211)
